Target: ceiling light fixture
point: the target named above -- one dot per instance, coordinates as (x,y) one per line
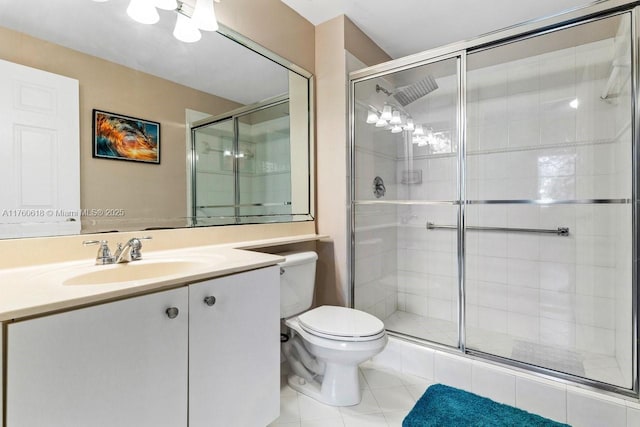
(185,30)
(372,117)
(381,123)
(193,15)
(386,113)
(395,118)
(143,11)
(204,16)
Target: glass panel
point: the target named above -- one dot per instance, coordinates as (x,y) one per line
(549,119)
(214,179)
(264,162)
(406,134)
(404,273)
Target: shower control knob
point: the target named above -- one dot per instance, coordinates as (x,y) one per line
(172,312)
(210,300)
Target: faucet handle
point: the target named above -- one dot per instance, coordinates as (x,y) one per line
(136,246)
(104,253)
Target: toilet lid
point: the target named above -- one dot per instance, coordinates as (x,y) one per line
(340,322)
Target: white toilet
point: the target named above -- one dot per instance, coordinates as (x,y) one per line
(326,344)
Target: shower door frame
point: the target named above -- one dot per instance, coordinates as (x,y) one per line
(583,15)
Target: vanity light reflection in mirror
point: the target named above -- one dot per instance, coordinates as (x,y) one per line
(137,71)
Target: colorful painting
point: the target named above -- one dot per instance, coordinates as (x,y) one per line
(125,138)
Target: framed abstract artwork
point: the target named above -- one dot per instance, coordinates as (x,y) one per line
(121,137)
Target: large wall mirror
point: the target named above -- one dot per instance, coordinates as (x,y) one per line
(111,125)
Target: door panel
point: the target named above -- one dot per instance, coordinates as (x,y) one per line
(40,165)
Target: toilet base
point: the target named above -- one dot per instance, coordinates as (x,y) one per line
(340,386)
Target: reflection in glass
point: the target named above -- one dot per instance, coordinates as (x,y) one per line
(243,168)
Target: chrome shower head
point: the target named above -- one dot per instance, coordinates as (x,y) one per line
(412,93)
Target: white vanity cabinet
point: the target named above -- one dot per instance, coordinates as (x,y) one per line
(234,350)
(202,355)
(122,363)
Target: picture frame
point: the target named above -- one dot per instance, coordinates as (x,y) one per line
(120,137)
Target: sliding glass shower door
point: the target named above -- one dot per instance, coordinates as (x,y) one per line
(492,200)
(548,149)
(406,153)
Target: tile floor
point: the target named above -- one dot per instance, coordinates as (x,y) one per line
(387,398)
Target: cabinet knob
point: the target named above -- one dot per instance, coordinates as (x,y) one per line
(210,300)
(172,312)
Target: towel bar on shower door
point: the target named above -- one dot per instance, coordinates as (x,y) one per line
(560,231)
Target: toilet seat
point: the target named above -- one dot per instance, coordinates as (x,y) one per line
(341,324)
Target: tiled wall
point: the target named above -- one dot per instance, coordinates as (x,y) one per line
(555,400)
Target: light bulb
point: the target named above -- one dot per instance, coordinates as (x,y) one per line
(574,104)
(381,123)
(204,16)
(100,1)
(372,117)
(396,129)
(185,31)
(418,131)
(386,113)
(395,118)
(409,125)
(166,4)
(143,11)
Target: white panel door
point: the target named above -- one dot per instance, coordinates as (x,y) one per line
(117,364)
(234,350)
(40,145)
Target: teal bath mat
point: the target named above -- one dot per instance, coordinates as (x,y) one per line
(444,406)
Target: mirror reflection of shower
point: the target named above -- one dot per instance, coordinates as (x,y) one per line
(242,166)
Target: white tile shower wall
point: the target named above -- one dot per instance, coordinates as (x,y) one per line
(375,266)
(551,399)
(427,262)
(541,288)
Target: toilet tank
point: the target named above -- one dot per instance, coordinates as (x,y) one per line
(297,282)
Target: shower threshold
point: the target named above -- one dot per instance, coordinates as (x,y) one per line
(569,360)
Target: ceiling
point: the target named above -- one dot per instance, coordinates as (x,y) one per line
(404,27)
(215,64)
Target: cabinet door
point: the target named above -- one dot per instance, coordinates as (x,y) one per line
(117,364)
(234,350)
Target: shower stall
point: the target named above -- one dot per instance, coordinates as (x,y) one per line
(241,166)
(493,194)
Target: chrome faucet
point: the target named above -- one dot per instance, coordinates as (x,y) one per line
(130,251)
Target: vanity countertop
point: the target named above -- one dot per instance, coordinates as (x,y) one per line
(45,288)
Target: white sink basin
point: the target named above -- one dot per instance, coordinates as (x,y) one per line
(135,271)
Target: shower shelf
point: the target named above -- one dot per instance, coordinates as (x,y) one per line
(560,231)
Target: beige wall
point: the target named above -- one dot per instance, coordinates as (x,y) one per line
(334,39)
(361,46)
